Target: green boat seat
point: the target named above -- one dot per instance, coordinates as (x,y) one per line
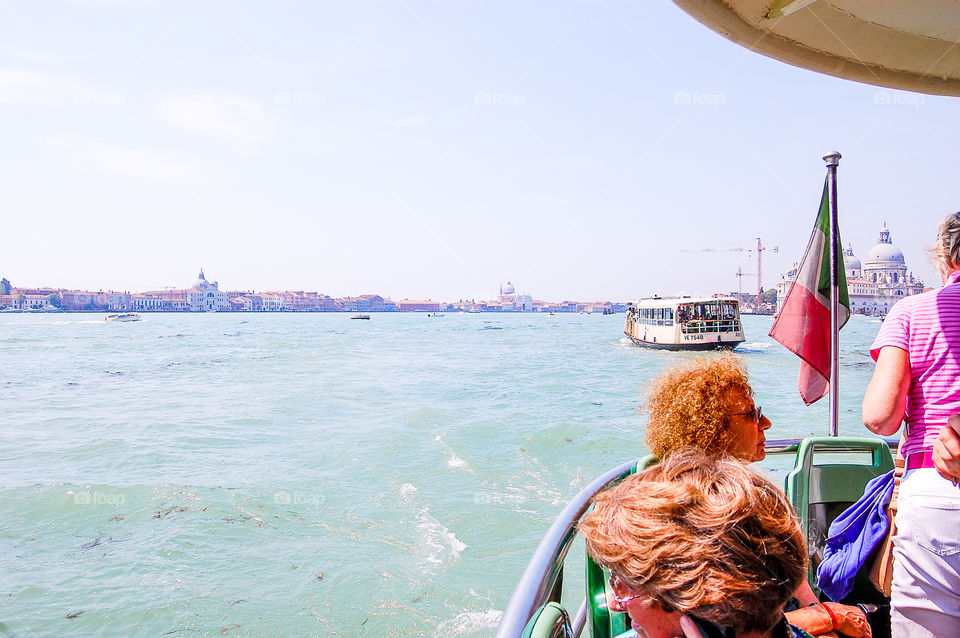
(829,475)
(550,621)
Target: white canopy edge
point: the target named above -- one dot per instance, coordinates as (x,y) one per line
(911,46)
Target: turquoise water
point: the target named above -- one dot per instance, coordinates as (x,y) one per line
(305,474)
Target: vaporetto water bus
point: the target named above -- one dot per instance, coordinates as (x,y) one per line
(685,323)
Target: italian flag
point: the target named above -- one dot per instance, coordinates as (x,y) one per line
(803,325)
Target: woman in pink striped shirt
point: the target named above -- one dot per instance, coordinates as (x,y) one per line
(917,380)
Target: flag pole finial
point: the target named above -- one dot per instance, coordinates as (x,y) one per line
(832,158)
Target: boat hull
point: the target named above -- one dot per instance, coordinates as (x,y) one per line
(696,346)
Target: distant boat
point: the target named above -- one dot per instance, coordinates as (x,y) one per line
(123,317)
(360,317)
(435,314)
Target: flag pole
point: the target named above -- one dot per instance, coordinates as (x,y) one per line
(832,160)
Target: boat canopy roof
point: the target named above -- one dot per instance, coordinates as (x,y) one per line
(663,302)
(900,45)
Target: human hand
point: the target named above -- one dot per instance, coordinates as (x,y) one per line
(690,629)
(822,619)
(946,449)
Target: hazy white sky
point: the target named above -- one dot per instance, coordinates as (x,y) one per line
(434,149)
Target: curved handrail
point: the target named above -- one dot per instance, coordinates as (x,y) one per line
(537,581)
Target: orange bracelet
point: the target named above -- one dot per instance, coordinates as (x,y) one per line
(833,619)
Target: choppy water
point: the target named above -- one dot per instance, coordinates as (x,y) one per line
(305,474)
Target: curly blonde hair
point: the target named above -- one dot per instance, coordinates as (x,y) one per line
(701,535)
(687,404)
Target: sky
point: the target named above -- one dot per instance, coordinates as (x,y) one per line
(433,150)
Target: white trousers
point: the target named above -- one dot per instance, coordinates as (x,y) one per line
(925,598)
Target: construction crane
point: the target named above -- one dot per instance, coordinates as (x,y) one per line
(760,248)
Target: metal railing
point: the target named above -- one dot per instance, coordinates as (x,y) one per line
(537,585)
(541,581)
(699,326)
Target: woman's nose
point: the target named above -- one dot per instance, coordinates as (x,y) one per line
(765,423)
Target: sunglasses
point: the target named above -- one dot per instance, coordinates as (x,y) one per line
(620,600)
(756,413)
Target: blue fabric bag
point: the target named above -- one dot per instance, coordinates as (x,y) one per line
(853,535)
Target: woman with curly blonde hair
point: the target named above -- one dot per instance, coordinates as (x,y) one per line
(706,403)
(702,537)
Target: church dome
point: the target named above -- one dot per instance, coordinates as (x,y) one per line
(201,281)
(508,289)
(850,261)
(885,251)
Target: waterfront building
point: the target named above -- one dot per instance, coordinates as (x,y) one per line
(207,296)
(408,305)
(370,303)
(271,302)
(23,299)
(79,300)
(146,302)
(873,285)
(506,301)
(241,303)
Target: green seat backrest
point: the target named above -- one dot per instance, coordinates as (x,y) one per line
(820,490)
(603,622)
(550,621)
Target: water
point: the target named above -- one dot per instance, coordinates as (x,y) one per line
(305,474)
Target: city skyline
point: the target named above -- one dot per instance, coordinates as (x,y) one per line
(204,295)
(432,151)
(201,282)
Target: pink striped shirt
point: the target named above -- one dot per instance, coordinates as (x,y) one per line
(927,326)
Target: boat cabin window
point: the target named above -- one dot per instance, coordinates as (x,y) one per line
(711,316)
(654,316)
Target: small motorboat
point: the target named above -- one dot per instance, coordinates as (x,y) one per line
(125,316)
(360,317)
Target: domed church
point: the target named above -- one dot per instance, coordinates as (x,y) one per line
(207,296)
(874,285)
(881,280)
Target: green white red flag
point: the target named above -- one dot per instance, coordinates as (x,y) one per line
(803,325)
